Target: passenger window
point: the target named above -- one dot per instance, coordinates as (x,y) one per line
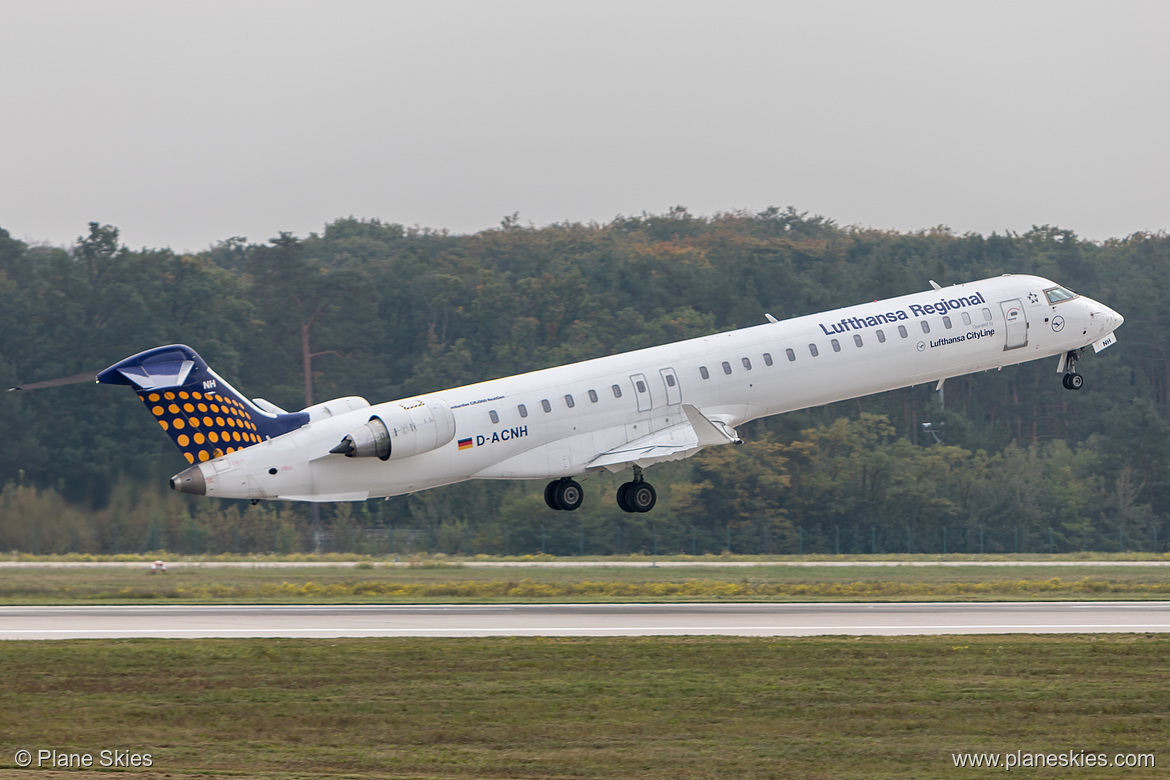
(987,315)
(523,410)
(704,373)
(925,326)
(836,345)
(767,358)
(617,392)
(593,396)
(670,380)
(857,339)
(640,385)
(747,364)
(947,323)
(569,402)
(791,355)
(812,348)
(881,334)
(966,317)
(902,331)
(495,417)
(726,367)
(544,404)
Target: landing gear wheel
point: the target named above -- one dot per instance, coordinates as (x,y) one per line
(550,495)
(642,496)
(1073,381)
(636,497)
(567,494)
(623,497)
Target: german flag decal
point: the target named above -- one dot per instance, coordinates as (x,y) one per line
(465,444)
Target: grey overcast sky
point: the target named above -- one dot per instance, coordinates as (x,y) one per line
(186,123)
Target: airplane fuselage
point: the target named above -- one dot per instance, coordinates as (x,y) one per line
(664,402)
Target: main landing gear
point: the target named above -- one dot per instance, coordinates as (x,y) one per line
(637,496)
(563,494)
(1071,379)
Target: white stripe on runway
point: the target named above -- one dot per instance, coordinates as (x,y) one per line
(755,619)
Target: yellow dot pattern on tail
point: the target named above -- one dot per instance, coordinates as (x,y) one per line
(204,425)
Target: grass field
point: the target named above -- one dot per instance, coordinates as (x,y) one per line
(586,708)
(445,582)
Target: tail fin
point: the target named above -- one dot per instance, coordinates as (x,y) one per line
(204,415)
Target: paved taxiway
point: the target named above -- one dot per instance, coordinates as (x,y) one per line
(325,621)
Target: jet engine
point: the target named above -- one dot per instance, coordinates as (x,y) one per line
(399,430)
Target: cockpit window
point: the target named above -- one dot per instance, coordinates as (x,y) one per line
(1059,295)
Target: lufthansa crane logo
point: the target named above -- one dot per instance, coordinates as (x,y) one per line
(1058,324)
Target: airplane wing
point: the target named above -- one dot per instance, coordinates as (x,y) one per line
(673,443)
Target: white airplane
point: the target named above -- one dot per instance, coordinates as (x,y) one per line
(629,410)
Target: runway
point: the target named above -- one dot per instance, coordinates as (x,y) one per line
(652,563)
(330,621)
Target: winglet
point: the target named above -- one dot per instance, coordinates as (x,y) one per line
(710,432)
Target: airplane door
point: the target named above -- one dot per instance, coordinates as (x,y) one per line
(673,390)
(640,424)
(1016,323)
(641,392)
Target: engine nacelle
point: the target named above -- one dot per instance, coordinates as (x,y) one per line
(399,430)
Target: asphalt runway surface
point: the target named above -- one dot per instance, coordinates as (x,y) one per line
(328,621)
(563,564)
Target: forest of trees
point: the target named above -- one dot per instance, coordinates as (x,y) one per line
(1012,460)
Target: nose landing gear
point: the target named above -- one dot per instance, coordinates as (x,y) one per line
(1071,379)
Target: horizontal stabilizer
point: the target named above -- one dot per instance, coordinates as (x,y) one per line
(172,371)
(89,376)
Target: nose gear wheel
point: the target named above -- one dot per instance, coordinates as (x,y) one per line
(1071,379)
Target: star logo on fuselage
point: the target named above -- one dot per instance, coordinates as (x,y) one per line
(1033,297)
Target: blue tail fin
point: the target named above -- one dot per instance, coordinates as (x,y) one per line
(204,415)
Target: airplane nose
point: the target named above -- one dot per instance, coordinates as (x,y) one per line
(1104,319)
(1113,319)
